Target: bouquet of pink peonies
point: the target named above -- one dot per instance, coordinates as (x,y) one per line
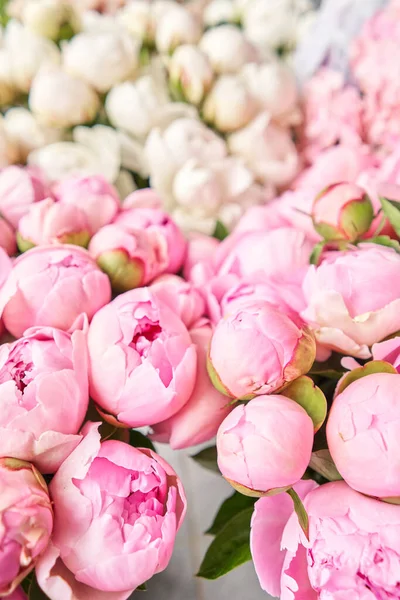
(306,350)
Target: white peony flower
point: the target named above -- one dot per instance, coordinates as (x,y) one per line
(138,18)
(26,53)
(268,150)
(59,99)
(229,106)
(220,11)
(227,48)
(102,59)
(176,26)
(46,17)
(26,133)
(191,73)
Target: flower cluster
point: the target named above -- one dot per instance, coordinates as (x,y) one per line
(138,91)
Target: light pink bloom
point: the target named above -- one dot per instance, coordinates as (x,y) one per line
(97,198)
(353,551)
(199,419)
(266,444)
(50,222)
(333,113)
(181,296)
(144,198)
(7,238)
(142,361)
(119,543)
(347,313)
(128,257)
(43,365)
(52,285)
(362,434)
(277,350)
(26,521)
(19,188)
(200,249)
(165,236)
(342,211)
(270,517)
(389,351)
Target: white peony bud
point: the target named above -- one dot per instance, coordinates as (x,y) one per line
(8,151)
(268,150)
(26,133)
(47,17)
(273,85)
(229,106)
(8,91)
(270,24)
(191,73)
(137,17)
(27,53)
(58,99)
(227,49)
(177,26)
(102,59)
(220,11)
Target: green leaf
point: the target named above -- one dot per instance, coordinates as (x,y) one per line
(374,366)
(384,240)
(391,209)
(141,588)
(138,440)
(300,511)
(228,509)
(207,458)
(230,547)
(32,589)
(220,231)
(322,462)
(316,253)
(305,393)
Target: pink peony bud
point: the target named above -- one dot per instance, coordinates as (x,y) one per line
(167,239)
(128,258)
(97,198)
(43,365)
(7,238)
(50,222)
(199,419)
(19,188)
(346,313)
(142,361)
(277,351)
(123,544)
(342,211)
(181,296)
(265,446)
(362,433)
(26,521)
(52,285)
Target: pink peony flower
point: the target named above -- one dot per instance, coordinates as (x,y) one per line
(181,296)
(333,113)
(120,543)
(142,361)
(52,285)
(277,351)
(7,238)
(203,413)
(19,188)
(265,445)
(50,222)
(346,313)
(353,551)
(165,236)
(200,249)
(97,198)
(26,519)
(270,517)
(128,257)
(362,434)
(43,365)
